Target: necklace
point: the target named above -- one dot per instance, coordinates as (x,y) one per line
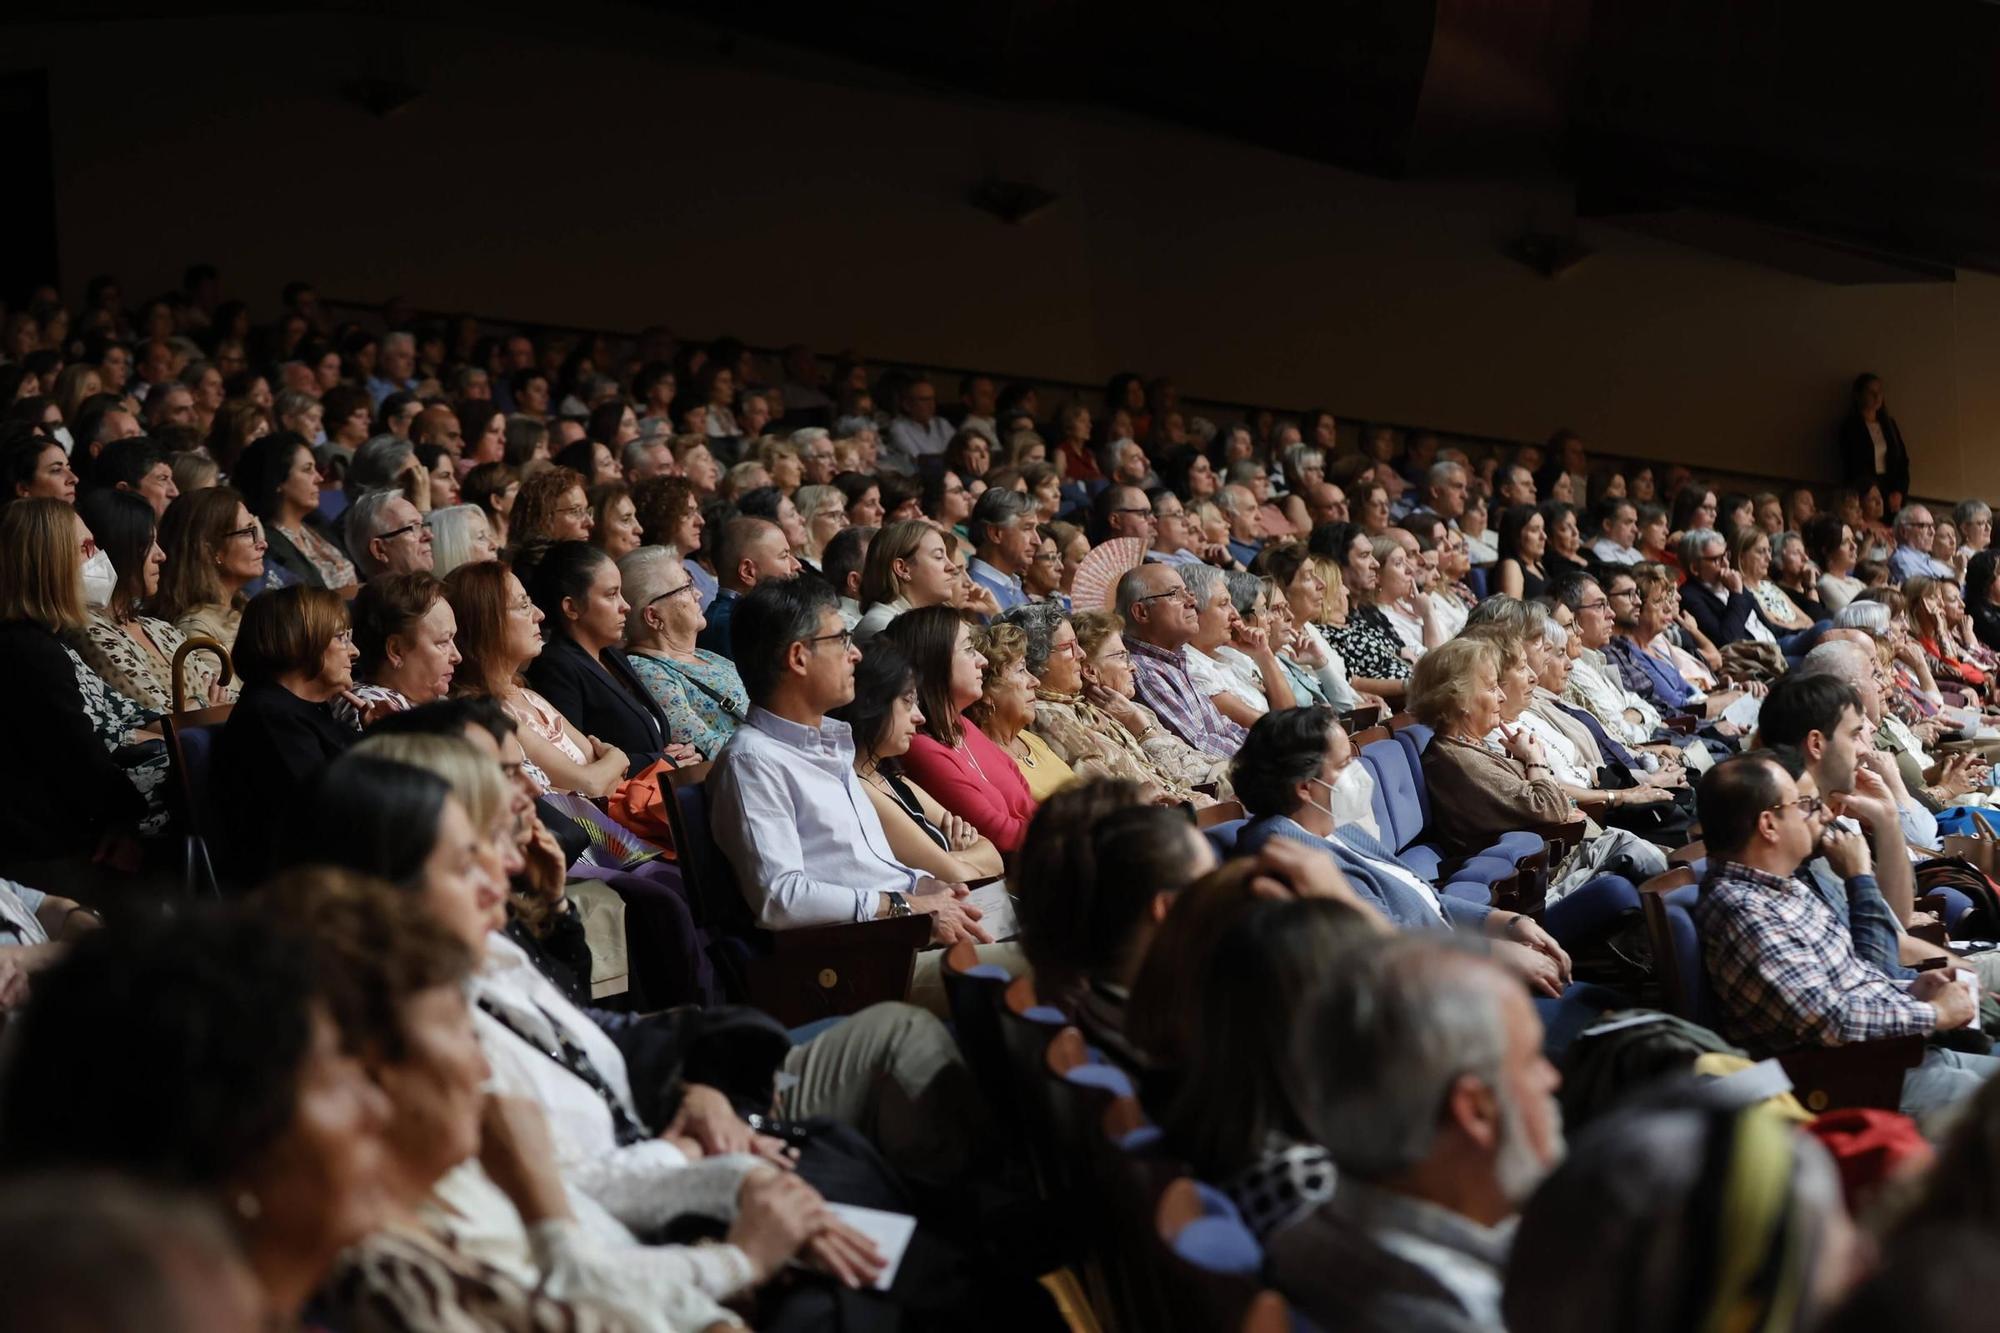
(1025,754)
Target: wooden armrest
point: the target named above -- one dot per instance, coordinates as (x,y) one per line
(1594,806)
(824,971)
(1681,723)
(1219,813)
(1566,834)
(1687,855)
(1867,1073)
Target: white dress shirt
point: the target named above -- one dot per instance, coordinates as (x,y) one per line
(797,827)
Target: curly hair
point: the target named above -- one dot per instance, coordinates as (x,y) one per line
(661,505)
(536,503)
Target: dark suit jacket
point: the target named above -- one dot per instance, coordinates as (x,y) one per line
(290,558)
(60,789)
(606,700)
(715,635)
(1857,455)
(1722,623)
(269,753)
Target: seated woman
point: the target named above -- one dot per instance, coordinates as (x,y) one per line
(1680,679)
(1952,665)
(922,833)
(296,656)
(1797,577)
(499,633)
(1317,673)
(1110,699)
(1750,551)
(1098,872)
(550,506)
(508,1249)
(215,551)
(909,565)
(279,481)
(698,691)
(583,671)
(221,1026)
(1481,547)
(1833,546)
(405,640)
(1368,643)
(1982,597)
(64,795)
(1564,553)
(1522,541)
(614,523)
(493,488)
(1420,621)
(133,652)
(670,516)
(1478,792)
(1005,709)
(823,511)
(1242,688)
(461,535)
(951,759)
(408,826)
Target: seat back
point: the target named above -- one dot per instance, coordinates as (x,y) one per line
(976,993)
(1130,1171)
(1398,807)
(1209,1255)
(1223,837)
(1667,901)
(1078,1086)
(190,738)
(1027,1026)
(711,885)
(1415,738)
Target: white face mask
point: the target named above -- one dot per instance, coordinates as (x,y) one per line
(1351,798)
(100,578)
(61,436)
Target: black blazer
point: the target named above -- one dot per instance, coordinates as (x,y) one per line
(1857,456)
(60,789)
(606,700)
(1722,623)
(270,751)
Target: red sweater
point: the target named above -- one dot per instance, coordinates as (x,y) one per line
(979,782)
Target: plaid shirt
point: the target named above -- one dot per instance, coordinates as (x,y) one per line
(1784,970)
(1165,687)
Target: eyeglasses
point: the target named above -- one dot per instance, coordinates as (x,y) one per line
(394,533)
(575,511)
(1808,805)
(845,638)
(524,607)
(672,592)
(255,532)
(1124,655)
(1598,605)
(1147,511)
(1178,594)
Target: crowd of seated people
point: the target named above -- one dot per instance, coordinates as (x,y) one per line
(1322,779)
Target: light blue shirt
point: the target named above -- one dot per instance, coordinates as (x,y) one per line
(1907,562)
(1006,588)
(791,816)
(915,441)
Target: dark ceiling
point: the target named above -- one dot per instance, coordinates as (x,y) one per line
(1849,140)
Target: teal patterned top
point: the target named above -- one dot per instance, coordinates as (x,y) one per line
(703,699)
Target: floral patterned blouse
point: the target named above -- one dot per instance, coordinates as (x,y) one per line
(703,699)
(1369,645)
(1095,744)
(144,678)
(115,717)
(335,569)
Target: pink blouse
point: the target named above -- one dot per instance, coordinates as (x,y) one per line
(978,781)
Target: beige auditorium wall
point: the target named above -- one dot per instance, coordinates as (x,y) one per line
(642,177)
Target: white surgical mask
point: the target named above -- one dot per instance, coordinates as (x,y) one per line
(61,436)
(100,578)
(1350,798)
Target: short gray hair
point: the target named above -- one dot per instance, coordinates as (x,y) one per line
(291,403)
(1692,542)
(1440,473)
(644,575)
(638,447)
(1039,621)
(807,436)
(1869,615)
(848,428)
(1243,589)
(1553,634)
(1967,511)
(1843,659)
(367,519)
(1302,456)
(1906,515)
(1385,1039)
(1201,580)
(377,464)
(999,506)
(451,536)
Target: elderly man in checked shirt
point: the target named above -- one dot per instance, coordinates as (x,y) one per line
(1160,620)
(1783,969)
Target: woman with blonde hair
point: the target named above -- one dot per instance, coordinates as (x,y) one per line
(62,792)
(909,566)
(215,550)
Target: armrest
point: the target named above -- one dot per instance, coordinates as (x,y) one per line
(1868,1073)
(1594,806)
(1679,723)
(824,971)
(1566,834)
(1932,932)
(1688,855)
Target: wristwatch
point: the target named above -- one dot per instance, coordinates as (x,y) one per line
(899,905)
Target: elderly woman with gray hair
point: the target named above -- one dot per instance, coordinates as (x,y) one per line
(1665,1218)
(1087,737)
(699,691)
(460,535)
(389,462)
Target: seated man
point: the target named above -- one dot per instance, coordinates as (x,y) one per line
(786,806)
(388,536)
(1003,533)
(1617,528)
(1422,1067)
(1912,557)
(1784,971)
(1596,685)
(1160,620)
(749,551)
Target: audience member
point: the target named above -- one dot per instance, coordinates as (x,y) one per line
(215,552)
(1161,619)
(698,692)
(909,566)
(747,552)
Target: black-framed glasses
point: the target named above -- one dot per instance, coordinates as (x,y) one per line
(1143,509)
(1808,805)
(845,638)
(255,532)
(1594,606)
(394,533)
(672,592)
(1178,594)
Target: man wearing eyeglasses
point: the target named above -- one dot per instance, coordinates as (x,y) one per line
(1784,971)
(1915,529)
(1160,620)
(386,535)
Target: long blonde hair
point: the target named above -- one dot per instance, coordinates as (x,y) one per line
(41,578)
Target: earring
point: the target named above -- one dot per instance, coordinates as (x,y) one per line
(248,1206)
